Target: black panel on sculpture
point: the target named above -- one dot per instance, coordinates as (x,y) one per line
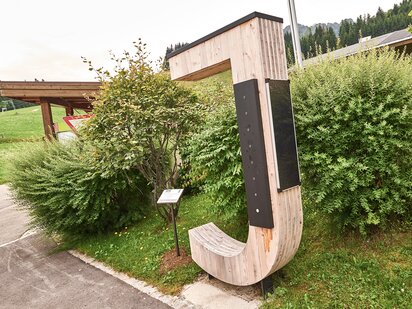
(252,146)
(285,138)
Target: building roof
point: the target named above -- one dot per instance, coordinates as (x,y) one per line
(395,39)
(68,94)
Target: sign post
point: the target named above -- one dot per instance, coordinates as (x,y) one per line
(170,197)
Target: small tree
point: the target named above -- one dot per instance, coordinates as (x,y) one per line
(142,117)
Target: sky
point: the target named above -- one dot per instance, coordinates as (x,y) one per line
(45,39)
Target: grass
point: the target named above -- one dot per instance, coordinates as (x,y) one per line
(329,270)
(346,271)
(26,123)
(137,250)
(21,127)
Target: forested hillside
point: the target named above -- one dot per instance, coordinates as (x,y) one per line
(383,22)
(324,38)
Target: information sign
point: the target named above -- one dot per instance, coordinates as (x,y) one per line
(170,196)
(75,122)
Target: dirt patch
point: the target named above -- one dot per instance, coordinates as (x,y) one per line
(170,261)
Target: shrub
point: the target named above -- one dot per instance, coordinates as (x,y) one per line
(215,161)
(410,27)
(67,191)
(354,132)
(141,117)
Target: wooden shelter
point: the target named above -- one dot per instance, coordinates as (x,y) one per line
(69,95)
(253,48)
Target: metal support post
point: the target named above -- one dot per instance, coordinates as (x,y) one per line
(295,33)
(175,230)
(266,286)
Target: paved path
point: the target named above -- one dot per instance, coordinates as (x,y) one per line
(13,223)
(33,276)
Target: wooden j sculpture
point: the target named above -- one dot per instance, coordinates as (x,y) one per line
(253,48)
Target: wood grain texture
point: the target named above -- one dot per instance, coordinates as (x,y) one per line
(70,95)
(254,50)
(71,92)
(47,119)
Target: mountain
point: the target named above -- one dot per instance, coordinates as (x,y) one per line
(302,29)
(305,29)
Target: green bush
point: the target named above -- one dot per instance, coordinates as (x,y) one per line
(216,164)
(410,27)
(69,192)
(141,117)
(354,132)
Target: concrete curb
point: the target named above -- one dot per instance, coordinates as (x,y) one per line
(172,301)
(199,294)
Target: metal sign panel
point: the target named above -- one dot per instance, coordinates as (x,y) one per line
(75,122)
(284,134)
(255,171)
(170,196)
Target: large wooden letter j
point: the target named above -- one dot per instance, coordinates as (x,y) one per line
(253,48)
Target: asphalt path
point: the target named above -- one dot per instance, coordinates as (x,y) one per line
(34,275)
(13,223)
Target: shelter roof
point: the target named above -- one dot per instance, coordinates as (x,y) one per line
(68,94)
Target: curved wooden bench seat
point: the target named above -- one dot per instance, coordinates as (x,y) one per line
(215,241)
(253,48)
(265,251)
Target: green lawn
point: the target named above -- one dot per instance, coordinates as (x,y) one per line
(21,127)
(27,123)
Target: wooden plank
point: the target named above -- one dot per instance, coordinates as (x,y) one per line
(62,102)
(224,29)
(29,93)
(69,111)
(47,119)
(92,86)
(255,50)
(208,71)
(402,43)
(67,94)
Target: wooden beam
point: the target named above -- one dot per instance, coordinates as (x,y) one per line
(403,43)
(92,86)
(72,92)
(56,93)
(47,119)
(65,103)
(69,111)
